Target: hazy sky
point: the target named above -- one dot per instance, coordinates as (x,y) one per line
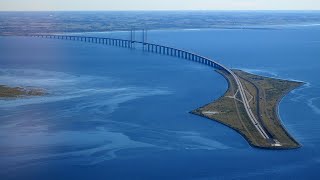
(159,5)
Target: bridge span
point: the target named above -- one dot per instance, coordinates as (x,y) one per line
(175,52)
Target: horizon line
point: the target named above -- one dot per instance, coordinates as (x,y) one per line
(161,10)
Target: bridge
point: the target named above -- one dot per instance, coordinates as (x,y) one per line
(175,52)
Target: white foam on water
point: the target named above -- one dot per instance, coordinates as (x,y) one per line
(62,86)
(300,95)
(299,25)
(44,78)
(88,148)
(204,143)
(297,92)
(260,72)
(313,106)
(269,73)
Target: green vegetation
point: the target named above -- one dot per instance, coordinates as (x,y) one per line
(264,95)
(14,92)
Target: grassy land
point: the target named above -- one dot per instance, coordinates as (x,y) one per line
(265,94)
(15,92)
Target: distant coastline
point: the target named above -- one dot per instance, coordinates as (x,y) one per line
(22,23)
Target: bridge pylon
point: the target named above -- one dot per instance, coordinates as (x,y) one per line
(132,38)
(144,38)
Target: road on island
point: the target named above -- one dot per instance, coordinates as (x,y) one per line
(247,107)
(245,102)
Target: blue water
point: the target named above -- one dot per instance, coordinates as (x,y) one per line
(115,113)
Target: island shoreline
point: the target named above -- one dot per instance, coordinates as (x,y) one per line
(277,106)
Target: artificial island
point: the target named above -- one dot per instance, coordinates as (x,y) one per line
(262,128)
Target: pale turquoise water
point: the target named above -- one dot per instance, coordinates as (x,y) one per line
(120,114)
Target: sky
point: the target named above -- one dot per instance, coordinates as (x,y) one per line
(60,5)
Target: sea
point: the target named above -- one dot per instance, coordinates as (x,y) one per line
(118,113)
